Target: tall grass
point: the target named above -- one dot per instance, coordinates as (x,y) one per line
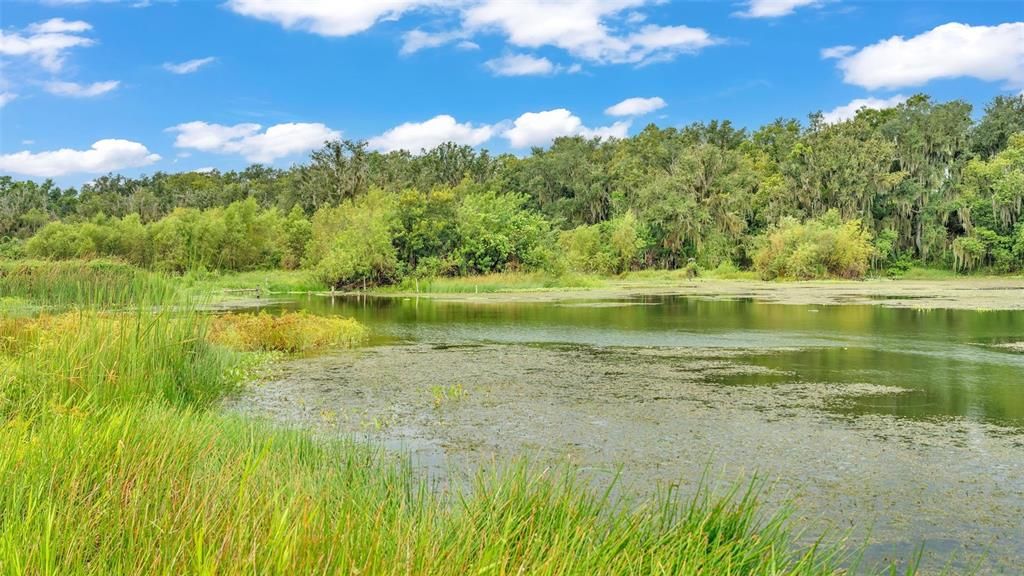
(89,359)
(94,283)
(114,460)
(154,490)
(269,281)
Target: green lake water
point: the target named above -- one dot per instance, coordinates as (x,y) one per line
(901,426)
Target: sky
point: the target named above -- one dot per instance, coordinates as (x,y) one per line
(91,87)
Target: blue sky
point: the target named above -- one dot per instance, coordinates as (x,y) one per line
(90,86)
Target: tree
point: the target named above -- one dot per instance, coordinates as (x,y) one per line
(336,172)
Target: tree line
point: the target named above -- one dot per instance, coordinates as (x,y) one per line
(920,184)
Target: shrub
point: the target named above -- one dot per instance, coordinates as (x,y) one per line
(984,247)
(822,248)
(239,237)
(351,244)
(611,247)
(498,233)
(12,249)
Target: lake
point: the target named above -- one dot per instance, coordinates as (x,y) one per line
(892,426)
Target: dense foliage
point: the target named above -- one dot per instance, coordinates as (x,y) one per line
(919,184)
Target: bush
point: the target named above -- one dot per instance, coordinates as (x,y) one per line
(12,249)
(499,234)
(351,244)
(239,237)
(822,248)
(611,247)
(984,247)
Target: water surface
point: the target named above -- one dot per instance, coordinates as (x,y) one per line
(906,422)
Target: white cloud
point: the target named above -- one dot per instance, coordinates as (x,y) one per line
(204,170)
(188,66)
(580,28)
(601,31)
(58,26)
(467,45)
(991,53)
(635,17)
(618,129)
(103,156)
(76,90)
(278,141)
(6,97)
(416,40)
(46,43)
(636,106)
(327,17)
(774,8)
(836,52)
(540,128)
(520,65)
(416,136)
(848,111)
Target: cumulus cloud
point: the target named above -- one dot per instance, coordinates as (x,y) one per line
(600,31)
(6,97)
(774,8)
(327,17)
(848,111)
(416,136)
(540,128)
(104,156)
(520,65)
(247,140)
(46,43)
(76,90)
(953,50)
(581,28)
(636,106)
(188,66)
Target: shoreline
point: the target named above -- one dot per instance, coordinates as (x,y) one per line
(958,294)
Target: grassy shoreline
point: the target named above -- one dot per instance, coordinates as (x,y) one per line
(116,459)
(960,293)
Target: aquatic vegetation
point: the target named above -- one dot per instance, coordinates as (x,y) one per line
(293,332)
(445,394)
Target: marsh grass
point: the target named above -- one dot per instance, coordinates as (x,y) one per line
(291,332)
(114,460)
(267,281)
(94,283)
(91,359)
